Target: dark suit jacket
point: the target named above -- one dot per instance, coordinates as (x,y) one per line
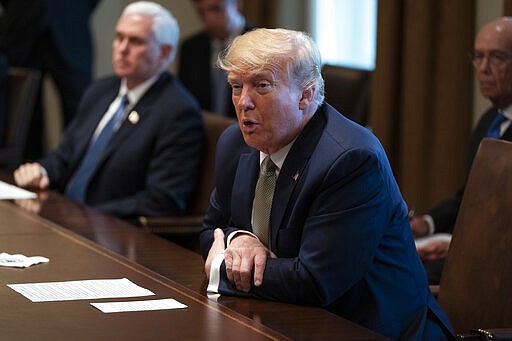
(194,70)
(52,36)
(339,226)
(445,213)
(149,168)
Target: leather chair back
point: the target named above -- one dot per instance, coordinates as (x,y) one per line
(214,125)
(348,90)
(22,92)
(191,224)
(476,283)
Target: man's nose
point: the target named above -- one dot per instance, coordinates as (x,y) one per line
(485,64)
(245,100)
(123,44)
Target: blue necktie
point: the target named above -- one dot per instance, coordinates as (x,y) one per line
(79,181)
(494,130)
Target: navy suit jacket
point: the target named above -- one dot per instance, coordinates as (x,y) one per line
(445,213)
(149,167)
(339,227)
(195,70)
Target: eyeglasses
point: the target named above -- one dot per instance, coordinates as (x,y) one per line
(494,58)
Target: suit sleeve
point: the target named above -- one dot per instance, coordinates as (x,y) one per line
(58,162)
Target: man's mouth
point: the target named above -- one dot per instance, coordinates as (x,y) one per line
(249,126)
(248,123)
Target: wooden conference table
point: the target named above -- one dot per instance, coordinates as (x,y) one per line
(83,244)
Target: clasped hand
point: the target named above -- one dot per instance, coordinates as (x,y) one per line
(31,175)
(434,250)
(245,255)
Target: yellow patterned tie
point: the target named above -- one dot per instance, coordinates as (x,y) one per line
(263,199)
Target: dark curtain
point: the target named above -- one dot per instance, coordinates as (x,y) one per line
(507,7)
(261,13)
(421,106)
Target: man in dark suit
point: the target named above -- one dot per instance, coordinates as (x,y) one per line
(222,22)
(52,36)
(492,59)
(150,163)
(337,235)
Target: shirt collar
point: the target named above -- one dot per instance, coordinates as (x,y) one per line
(507,112)
(279,156)
(136,93)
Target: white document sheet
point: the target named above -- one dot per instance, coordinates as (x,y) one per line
(80,290)
(119,307)
(8,192)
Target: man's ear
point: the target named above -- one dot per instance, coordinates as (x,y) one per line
(165,51)
(307,97)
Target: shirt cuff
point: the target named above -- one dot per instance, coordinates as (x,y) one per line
(233,234)
(430,222)
(44,172)
(213,284)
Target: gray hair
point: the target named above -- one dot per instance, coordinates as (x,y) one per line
(267,48)
(165,27)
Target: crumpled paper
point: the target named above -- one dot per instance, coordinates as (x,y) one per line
(20,261)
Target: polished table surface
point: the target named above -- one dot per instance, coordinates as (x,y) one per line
(84,244)
(75,258)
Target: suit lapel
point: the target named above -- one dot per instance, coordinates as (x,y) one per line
(128,127)
(243,188)
(293,172)
(97,110)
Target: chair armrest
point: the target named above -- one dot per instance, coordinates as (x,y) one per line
(171,225)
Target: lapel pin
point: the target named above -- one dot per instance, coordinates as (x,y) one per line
(133,117)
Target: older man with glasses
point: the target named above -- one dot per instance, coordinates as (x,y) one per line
(492,59)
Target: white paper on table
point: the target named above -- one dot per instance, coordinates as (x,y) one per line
(20,261)
(119,307)
(80,290)
(8,191)
(421,242)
